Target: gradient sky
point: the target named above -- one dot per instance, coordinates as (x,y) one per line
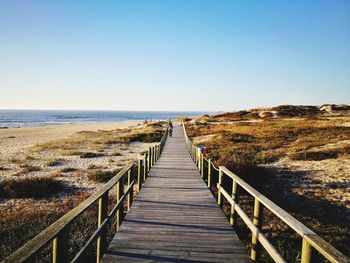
(173,55)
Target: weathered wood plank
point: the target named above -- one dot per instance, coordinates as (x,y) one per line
(175,217)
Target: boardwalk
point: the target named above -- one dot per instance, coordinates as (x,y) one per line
(175,217)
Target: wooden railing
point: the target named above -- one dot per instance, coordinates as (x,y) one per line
(310,240)
(58,234)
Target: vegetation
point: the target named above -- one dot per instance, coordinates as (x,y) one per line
(68,169)
(90,155)
(102,176)
(27,168)
(20,226)
(245,148)
(55,162)
(30,187)
(321,154)
(20,223)
(242,145)
(99,140)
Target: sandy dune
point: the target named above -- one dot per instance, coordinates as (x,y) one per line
(15,140)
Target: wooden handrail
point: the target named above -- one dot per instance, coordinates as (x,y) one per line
(310,239)
(58,232)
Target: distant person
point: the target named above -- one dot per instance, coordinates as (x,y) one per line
(170,127)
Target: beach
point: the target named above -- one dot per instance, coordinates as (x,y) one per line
(70,153)
(16,140)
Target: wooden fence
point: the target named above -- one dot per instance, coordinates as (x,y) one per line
(58,234)
(310,240)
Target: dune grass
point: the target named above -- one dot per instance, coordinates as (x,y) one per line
(40,187)
(244,147)
(257,143)
(102,176)
(98,141)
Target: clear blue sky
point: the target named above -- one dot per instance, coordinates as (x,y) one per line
(173,55)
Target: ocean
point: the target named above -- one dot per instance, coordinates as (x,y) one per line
(21,118)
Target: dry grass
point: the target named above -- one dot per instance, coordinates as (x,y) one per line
(102,176)
(321,154)
(267,141)
(3,168)
(100,140)
(20,226)
(90,155)
(30,188)
(244,147)
(27,168)
(68,170)
(56,162)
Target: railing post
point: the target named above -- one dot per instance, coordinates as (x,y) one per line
(233,215)
(194,154)
(199,161)
(102,215)
(202,164)
(209,173)
(144,167)
(149,159)
(306,252)
(118,199)
(257,221)
(139,181)
(220,182)
(158,151)
(154,154)
(121,193)
(129,194)
(60,246)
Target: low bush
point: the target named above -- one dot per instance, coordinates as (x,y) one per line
(116,153)
(68,170)
(27,168)
(71,152)
(102,176)
(55,163)
(318,155)
(30,188)
(90,155)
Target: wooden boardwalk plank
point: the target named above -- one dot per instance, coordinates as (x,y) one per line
(175,217)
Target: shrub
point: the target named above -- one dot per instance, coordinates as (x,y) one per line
(68,169)
(116,153)
(30,188)
(55,163)
(27,168)
(90,155)
(71,152)
(318,155)
(101,176)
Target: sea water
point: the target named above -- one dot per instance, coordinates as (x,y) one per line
(21,118)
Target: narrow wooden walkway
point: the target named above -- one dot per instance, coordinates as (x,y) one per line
(175,218)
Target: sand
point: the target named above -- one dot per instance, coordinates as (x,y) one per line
(17,154)
(15,140)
